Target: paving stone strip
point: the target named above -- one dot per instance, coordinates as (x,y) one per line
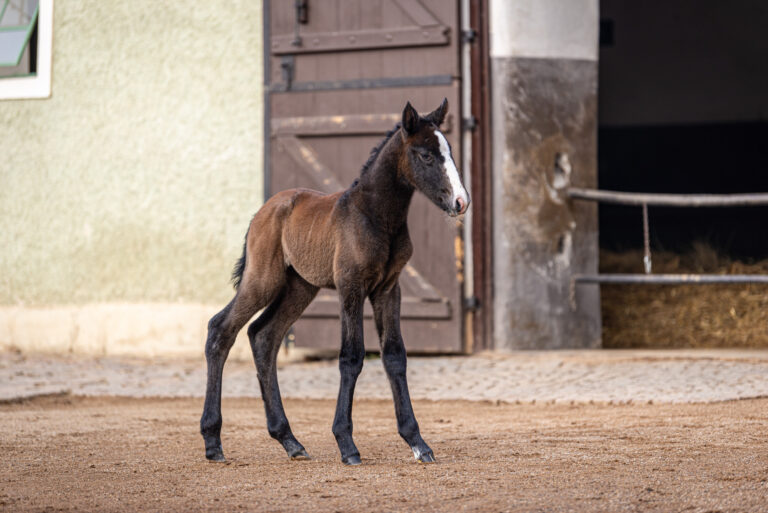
(671,376)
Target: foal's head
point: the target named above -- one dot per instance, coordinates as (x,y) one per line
(428,164)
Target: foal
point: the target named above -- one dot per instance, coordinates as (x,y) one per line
(355,241)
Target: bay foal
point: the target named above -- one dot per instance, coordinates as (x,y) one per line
(355,241)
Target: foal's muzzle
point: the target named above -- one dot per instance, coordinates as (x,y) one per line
(459,207)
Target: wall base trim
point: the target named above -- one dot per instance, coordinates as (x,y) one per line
(115,329)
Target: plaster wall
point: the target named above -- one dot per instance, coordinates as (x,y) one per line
(544,29)
(131,187)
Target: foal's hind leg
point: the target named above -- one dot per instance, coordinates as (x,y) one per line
(222,330)
(266,333)
(386,311)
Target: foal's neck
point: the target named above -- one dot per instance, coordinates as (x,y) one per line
(383,194)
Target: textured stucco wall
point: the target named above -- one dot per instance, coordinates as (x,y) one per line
(124,198)
(136,180)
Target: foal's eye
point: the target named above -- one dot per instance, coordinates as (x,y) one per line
(426,157)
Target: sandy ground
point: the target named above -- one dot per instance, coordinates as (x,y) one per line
(68,453)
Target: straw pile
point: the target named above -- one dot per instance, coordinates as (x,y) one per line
(671,316)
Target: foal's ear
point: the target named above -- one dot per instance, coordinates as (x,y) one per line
(410,119)
(438,115)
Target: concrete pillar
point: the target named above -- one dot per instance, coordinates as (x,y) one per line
(544,129)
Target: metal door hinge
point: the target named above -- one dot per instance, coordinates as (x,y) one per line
(302,18)
(469,35)
(469,124)
(302,11)
(472,303)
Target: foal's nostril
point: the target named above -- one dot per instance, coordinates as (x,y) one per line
(459,205)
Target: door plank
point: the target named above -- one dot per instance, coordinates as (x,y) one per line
(308,162)
(417,12)
(419,284)
(327,305)
(350,124)
(350,40)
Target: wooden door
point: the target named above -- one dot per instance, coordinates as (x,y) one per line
(339,74)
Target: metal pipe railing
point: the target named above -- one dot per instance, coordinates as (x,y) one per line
(669,200)
(671,279)
(643,200)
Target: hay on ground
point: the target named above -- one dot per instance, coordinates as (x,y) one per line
(683,316)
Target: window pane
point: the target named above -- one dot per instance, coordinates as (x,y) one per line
(17,13)
(17,18)
(22,69)
(11,45)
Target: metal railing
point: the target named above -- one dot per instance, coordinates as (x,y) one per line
(667,200)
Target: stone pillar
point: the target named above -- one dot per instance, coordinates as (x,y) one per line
(544,129)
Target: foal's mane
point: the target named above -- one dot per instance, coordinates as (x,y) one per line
(377,149)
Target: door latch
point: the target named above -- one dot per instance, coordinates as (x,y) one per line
(302,11)
(286,66)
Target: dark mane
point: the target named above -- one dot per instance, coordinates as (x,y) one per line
(377,149)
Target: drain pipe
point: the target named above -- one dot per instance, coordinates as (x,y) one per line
(466,167)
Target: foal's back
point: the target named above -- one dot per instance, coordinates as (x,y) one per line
(293,228)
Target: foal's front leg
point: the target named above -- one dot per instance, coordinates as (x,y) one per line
(386,311)
(351,359)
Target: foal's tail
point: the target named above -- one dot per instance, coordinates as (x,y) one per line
(239,269)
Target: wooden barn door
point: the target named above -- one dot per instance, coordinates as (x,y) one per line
(339,74)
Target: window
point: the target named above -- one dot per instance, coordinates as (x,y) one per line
(26,30)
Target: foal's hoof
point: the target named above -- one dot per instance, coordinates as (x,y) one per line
(300,455)
(215,454)
(352,461)
(426,457)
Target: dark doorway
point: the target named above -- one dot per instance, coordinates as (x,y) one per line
(684,108)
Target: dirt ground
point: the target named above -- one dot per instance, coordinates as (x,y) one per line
(122,454)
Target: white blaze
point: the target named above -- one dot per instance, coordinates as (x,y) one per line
(450,169)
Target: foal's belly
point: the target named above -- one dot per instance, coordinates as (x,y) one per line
(316,270)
